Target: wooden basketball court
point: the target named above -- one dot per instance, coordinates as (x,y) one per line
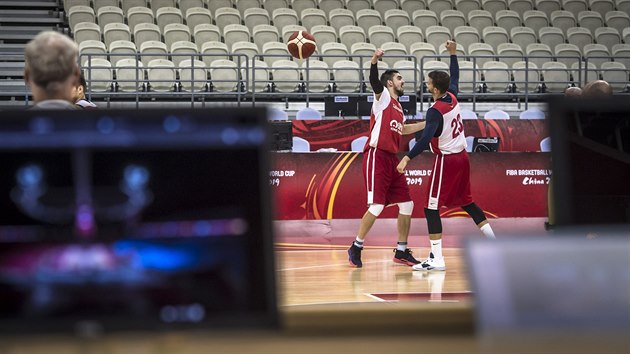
(313,269)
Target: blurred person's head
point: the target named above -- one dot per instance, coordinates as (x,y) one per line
(597,88)
(438,83)
(573,91)
(78,92)
(51,69)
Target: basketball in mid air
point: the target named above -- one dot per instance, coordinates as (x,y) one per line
(301,44)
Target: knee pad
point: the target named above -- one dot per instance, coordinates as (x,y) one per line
(376,209)
(405,208)
(434,222)
(475,213)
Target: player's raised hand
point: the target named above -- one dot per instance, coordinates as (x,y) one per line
(451,46)
(378,53)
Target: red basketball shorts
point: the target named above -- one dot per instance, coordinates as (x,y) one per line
(385,185)
(450,182)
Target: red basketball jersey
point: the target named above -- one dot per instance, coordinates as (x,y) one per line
(386,124)
(452,140)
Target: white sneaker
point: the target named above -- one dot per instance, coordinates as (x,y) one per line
(431,264)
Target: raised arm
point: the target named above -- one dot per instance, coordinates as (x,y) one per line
(375,82)
(454,69)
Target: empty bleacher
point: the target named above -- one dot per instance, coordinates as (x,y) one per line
(562,43)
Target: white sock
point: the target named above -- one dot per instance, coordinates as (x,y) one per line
(401,246)
(487,231)
(436,248)
(358,242)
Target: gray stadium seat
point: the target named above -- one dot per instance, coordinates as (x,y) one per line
(407,35)
(78,14)
(264,34)
(224,75)
(324,34)
(145,32)
(494,6)
(469,77)
(196,16)
(348,35)
(185,5)
(233,33)
(575,6)
(548,6)
(393,52)
(601,6)
(381,34)
(396,18)
(567,54)
(338,50)
(439,5)
(213,5)
(87,31)
(288,30)
(92,49)
(129,4)
(590,19)
(421,50)
(556,76)
(347,76)
(256,16)
(563,20)
(110,14)
(616,74)
(465,6)
(481,49)
(480,19)
(579,36)
(356,5)
(183,50)
(166,15)
(382,6)
(452,19)
(509,53)
(206,32)
(313,17)
(129,75)
(366,50)
(329,5)
(137,15)
(98,75)
(317,79)
(494,36)
(526,75)
(299,5)
(540,53)
(497,76)
(535,20)
(243,5)
(283,17)
(248,49)
(161,75)
(423,19)
(286,75)
(596,54)
(551,36)
(122,49)
(508,19)
(153,50)
(158,4)
(617,19)
(523,36)
(116,32)
(257,76)
(520,6)
(607,36)
(437,35)
(368,18)
(341,17)
(581,75)
(273,51)
(466,35)
(213,51)
(621,52)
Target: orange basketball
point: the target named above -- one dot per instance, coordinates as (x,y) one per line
(301,44)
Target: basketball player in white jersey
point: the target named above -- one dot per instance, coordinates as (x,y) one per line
(385,185)
(450,180)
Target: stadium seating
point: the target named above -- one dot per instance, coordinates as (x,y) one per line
(317,78)
(224,75)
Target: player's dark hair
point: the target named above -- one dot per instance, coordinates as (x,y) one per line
(82,81)
(441,80)
(388,75)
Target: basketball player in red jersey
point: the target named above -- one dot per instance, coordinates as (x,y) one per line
(450,181)
(385,185)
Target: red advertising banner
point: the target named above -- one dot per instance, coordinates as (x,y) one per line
(315,186)
(521,135)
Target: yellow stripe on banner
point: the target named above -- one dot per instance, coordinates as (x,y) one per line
(331,203)
(310,185)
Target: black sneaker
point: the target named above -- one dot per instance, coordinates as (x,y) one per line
(354,256)
(405,257)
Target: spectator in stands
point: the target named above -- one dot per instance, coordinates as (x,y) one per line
(51,70)
(79,95)
(385,186)
(597,88)
(572,91)
(450,181)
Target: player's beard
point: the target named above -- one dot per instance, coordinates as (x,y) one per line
(399,91)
